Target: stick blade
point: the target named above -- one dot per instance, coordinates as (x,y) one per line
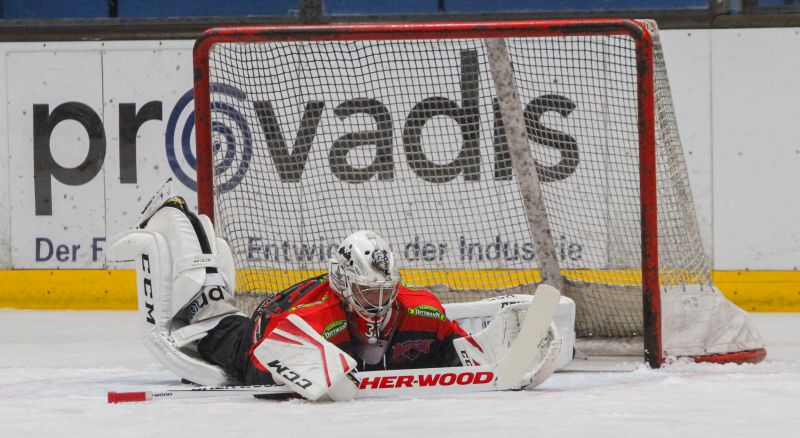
(512,367)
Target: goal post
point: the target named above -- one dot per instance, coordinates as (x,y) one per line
(492,156)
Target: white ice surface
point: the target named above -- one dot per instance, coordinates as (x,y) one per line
(56,368)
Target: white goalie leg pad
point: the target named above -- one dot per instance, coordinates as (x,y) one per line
(189,264)
(172,279)
(224,257)
(296,355)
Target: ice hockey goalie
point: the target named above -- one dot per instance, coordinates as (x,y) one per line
(311,336)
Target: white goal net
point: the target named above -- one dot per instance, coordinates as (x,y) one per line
(315,132)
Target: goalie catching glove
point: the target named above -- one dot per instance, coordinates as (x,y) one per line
(492,344)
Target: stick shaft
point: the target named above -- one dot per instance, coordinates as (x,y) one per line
(199,392)
(372,384)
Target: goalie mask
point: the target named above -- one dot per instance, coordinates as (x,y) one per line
(364,274)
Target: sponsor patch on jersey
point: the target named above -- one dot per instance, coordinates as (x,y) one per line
(427,311)
(411,349)
(334,328)
(313,303)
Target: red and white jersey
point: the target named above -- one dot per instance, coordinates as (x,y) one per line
(422,335)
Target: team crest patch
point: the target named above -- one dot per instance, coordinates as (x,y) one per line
(334,328)
(314,303)
(427,311)
(411,350)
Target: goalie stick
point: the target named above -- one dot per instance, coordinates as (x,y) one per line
(163,193)
(371,384)
(508,373)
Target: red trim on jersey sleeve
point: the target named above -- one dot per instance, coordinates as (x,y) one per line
(416,298)
(457,330)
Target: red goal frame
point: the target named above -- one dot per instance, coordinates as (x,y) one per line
(450,30)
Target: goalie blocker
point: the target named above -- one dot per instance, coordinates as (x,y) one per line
(298,356)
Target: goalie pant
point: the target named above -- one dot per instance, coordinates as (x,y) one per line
(422,336)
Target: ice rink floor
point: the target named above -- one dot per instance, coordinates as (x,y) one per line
(57,366)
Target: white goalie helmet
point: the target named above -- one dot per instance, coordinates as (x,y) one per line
(364,274)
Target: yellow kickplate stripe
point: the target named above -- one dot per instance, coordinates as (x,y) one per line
(758,291)
(273,280)
(89,289)
(761,291)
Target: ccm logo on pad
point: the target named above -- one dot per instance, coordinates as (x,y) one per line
(288,374)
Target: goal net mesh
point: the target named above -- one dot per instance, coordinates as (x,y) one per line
(313,140)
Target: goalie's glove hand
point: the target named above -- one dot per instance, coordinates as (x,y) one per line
(545,363)
(491,344)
